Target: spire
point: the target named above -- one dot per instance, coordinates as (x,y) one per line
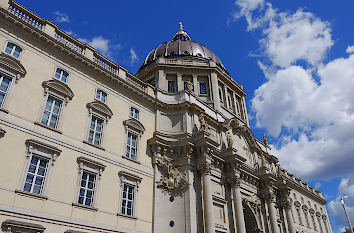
(181,35)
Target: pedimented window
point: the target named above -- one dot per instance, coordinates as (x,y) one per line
(12,66)
(135,125)
(100,108)
(59,88)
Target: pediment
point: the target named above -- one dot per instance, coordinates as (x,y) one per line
(100,107)
(134,124)
(12,64)
(59,87)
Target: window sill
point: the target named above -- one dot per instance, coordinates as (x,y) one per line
(94,145)
(4,110)
(47,127)
(84,207)
(203,95)
(127,216)
(133,160)
(24,193)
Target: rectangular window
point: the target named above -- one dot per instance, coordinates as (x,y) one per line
(13,50)
(221,95)
(35,175)
(87,189)
(101,96)
(319,223)
(4,88)
(95,131)
(185,86)
(299,216)
(51,112)
(229,100)
(131,145)
(128,200)
(307,219)
(134,113)
(61,75)
(313,222)
(203,88)
(172,86)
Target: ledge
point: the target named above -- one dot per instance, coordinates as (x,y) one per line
(84,207)
(47,127)
(24,193)
(127,216)
(4,110)
(132,160)
(94,145)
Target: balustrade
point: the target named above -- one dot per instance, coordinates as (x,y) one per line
(25,15)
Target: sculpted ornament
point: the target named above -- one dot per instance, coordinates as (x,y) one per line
(172,180)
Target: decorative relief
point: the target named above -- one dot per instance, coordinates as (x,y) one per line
(172,180)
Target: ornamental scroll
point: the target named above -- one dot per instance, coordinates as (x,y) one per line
(172,180)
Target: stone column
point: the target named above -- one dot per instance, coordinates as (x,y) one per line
(180,85)
(289,218)
(215,90)
(271,199)
(237,201)
(195,84)
(204,166)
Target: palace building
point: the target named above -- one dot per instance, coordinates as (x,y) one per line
(87,146)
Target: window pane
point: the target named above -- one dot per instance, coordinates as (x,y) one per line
(9,48)
(5,83)
(17,52)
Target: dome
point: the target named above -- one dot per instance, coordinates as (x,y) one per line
(181,45)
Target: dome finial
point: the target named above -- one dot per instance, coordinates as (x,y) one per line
(180,26)
(181,35)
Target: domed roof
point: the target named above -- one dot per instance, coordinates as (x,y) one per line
(181,45)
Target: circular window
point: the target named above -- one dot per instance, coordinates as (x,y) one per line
(172,223)
(172,198)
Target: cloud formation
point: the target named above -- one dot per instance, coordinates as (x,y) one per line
(61,17)
(102,44)
(307,105)
(133,57)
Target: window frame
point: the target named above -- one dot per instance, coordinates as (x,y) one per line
(11,54)
(132,180)
(100,99)
(91,167)
(130,111)
(63,70)
(44,151)
(175,89)
(4,103)
(200,89)
(129,131)
(57,99)
(135,127)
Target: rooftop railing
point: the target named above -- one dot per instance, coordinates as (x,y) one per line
(105,63)
(68,41)
(25,15)
(136,82)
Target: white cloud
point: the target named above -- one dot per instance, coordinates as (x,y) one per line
(61,17)
(298,36)
(305,104)
(133,56)
(350,49)
(102,44)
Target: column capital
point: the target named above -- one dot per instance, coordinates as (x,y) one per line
(234,182)
(205,165)
(270,196)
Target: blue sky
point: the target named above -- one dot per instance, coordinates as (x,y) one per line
(294,59)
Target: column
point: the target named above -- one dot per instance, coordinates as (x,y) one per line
(289,217)
(237,201)
(271,199)
(180,85)
(204,166)
(215,90)
(195,84)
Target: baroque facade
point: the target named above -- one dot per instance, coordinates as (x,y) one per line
(88,147)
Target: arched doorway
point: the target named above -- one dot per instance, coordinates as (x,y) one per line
(250,220)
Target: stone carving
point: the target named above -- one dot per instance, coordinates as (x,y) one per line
(203,124)
(265,140)
(172,180)
(229,140)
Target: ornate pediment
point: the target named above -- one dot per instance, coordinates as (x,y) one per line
(100,107)
(134,125)
(58,87)
(13,65)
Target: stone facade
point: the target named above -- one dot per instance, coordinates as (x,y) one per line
(88,147)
